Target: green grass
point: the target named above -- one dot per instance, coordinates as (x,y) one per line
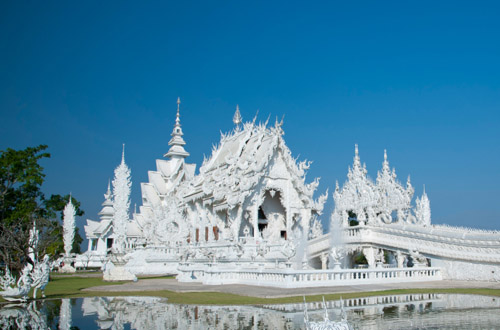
(71,287)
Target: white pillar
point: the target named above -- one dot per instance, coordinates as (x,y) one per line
(288,224)
(324,260)
(369,253)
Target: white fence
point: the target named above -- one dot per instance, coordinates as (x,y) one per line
(290,278)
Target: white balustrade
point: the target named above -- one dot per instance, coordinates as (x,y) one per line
(289,278)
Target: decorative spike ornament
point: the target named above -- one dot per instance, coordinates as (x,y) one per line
(237,119)
(423,210)
(121,203)
(68,227)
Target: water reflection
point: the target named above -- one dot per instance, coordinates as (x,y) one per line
(422,311)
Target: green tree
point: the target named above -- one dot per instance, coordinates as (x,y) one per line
(22,203)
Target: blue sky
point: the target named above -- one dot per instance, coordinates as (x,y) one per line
(420,79)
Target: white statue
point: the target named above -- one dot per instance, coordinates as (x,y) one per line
(337,253)
(379,257)
(68,227)
(417,258)
(40,275)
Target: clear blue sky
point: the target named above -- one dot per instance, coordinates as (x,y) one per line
(421,79)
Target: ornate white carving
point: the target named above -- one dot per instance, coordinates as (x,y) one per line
(19,291)
(121,203)
(68,227)
(381,203)
(316,228)
(392,196)
(423,210)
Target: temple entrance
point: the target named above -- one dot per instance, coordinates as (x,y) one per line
(262,221)
(272,217)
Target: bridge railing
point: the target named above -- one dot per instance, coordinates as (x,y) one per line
(290,278)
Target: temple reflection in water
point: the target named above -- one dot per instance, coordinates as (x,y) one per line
(392,311)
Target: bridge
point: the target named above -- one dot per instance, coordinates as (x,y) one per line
(463,253)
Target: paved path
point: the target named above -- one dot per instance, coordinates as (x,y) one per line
(159,284)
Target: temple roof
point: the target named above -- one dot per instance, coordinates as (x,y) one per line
(242,158)
(100,228)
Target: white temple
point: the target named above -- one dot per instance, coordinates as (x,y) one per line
(248,216)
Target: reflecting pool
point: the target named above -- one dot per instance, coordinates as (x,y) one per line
(411,311)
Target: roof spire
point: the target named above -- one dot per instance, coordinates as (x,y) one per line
(357,161)
(177,143)
(123,153)
(107,211)
(237,117)
(178,117)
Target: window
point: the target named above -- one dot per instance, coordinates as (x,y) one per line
(93,244)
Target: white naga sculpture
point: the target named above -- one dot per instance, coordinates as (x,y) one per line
(35,277)
(19,291)
(40,275)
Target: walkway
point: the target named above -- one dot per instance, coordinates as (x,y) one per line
(159,284)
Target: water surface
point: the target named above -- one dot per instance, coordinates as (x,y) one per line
(415,311)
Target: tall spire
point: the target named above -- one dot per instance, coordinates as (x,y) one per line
(357,161)
(177,143)
(237,118)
